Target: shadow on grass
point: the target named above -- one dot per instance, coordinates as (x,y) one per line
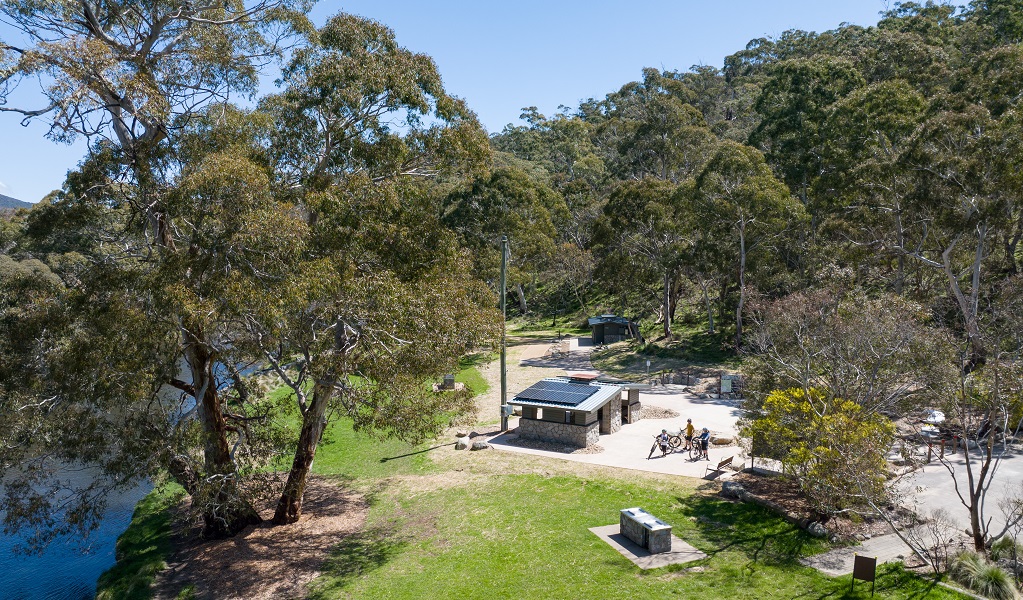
(356,556)
(890,578)
(755,531)
(408,454)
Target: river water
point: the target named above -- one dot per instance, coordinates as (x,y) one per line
(66,571)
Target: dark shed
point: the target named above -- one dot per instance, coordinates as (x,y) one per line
(608,329)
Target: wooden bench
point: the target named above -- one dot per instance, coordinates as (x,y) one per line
(721,466)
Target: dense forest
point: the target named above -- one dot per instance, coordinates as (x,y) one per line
(843,210)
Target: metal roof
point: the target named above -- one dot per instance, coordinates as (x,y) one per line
(608,319)
(566,395)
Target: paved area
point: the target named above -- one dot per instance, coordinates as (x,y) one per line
(932,487)
(629,447)
(680,553)
(838,562)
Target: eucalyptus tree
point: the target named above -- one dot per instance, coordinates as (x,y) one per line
(866,183)
(129,77)
(741,200)
(380,298)
(508,202)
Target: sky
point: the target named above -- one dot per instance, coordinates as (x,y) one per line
(503,56)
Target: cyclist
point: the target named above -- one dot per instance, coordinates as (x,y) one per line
(662,441)
(689,434)
(704,440)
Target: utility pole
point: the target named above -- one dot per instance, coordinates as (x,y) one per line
(504,329)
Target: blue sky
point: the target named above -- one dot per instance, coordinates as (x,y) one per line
(503,56)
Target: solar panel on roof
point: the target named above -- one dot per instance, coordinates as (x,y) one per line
(557,392)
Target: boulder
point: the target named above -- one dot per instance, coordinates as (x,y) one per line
(732,489)
(461,443)
(461,433)
(479,446)
(720,440)
(817,529)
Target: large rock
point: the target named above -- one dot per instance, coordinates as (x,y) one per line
(462,443)
(479,446)
(720,440)
(817,529)
(461,433)
(733,489)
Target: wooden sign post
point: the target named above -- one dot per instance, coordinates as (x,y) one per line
(864,569)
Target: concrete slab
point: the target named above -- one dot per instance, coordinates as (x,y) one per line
(680,553)
(629,447)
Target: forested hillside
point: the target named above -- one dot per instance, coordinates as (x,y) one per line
(843,209)
(884,158)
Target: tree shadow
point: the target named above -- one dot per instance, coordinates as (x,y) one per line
(357,555)
(757,532)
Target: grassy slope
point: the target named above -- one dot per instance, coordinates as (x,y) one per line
(141,549)
(526,536)
(462,527)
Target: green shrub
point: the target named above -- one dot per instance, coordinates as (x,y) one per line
(965,567)
(994,582)
(1004,547)
(972,571)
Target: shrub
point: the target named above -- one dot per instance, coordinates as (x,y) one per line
(975,573)
(1004,548)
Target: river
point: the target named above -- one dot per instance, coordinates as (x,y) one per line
(65,571)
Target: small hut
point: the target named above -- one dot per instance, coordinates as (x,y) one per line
(610,328)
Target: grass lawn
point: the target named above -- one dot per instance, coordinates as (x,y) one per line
(526,536)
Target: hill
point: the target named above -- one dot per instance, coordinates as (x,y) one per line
(8,202)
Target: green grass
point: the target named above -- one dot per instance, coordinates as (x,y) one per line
(526,536)
(354,455)
(142,549)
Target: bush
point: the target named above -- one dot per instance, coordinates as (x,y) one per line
(978,575)
(1004,547)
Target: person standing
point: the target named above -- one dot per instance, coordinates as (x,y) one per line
(689,434)
(662,441)
(704,443)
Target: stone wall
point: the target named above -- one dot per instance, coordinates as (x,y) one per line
(612,420)
(564,433)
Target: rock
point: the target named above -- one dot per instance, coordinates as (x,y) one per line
(696,569)
(720,440)
(817,529)
(479,446)
(732,489)
(834,539)
(462,443)
(703,396)
(860,537)
(461,433)
(868,536)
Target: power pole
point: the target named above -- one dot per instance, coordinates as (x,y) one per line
(504,328)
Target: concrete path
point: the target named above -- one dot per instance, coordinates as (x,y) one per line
(838,562)
(680,553)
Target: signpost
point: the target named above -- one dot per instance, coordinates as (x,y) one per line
(864,569)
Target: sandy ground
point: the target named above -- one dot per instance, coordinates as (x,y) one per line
(265,562)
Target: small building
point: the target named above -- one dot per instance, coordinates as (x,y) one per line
(569,411)
(610,328)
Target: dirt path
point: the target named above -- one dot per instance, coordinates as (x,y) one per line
(526,366)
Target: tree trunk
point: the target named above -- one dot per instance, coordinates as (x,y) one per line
(742,286)
(522,297)
(710,309)
(289,507)
(225,511)
(667,307)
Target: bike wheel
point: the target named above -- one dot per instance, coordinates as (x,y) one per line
(694,450)
(674,441)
